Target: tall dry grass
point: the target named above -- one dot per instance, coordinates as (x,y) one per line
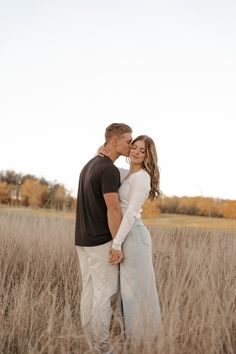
(40,289)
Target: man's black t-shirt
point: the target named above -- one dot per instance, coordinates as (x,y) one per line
(99,176)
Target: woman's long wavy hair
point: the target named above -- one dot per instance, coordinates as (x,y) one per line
(150,164)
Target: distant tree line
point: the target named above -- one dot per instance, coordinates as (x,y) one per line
(28,190)
(211,207)
(199,206)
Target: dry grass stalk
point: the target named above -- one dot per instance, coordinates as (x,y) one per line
(40,289)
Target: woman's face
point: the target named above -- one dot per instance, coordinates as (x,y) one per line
(138,152)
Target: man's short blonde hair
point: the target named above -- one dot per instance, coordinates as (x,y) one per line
(116,129)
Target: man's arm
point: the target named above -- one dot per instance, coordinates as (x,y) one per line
(114,217)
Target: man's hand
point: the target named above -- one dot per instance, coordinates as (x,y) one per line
(115,256)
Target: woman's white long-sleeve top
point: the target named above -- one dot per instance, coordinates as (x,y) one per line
(133,192)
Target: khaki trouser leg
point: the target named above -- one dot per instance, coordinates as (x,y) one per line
(99,284)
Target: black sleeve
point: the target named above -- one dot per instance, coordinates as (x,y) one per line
(110,180)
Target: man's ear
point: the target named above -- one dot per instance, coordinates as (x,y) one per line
(114,141)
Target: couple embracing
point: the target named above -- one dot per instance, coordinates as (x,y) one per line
(113,245)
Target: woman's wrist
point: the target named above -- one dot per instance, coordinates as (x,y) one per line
(116,246)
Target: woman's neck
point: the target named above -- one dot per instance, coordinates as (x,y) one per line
(134,168)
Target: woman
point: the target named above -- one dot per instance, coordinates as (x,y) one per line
(140,302)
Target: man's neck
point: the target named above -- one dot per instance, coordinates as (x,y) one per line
(114,156)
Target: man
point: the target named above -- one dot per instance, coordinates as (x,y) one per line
(98,216)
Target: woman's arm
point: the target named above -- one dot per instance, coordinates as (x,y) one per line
(139,191)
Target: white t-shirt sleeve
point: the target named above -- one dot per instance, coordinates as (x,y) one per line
(139,191)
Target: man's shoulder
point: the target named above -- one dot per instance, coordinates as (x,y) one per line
(99,164)
(107,167)
(105,162)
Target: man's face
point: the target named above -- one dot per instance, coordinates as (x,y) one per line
(124,144)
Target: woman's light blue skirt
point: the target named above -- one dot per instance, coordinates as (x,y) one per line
(141,309)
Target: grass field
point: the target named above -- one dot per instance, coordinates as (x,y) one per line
(164,221)
(195,265)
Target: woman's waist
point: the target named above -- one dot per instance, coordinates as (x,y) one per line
(136,215)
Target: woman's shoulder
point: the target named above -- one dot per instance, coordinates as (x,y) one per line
(142,176)
(140,182)
(123,173)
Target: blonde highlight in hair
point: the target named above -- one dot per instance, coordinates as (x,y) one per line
(116,129)
(150,164)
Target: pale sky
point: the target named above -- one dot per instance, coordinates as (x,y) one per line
(167,68)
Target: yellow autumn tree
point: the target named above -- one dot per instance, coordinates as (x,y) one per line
(150,209)
(59,197)
(229,209)
(32,192)
(5,192)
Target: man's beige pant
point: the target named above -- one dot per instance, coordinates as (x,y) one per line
(99,284)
